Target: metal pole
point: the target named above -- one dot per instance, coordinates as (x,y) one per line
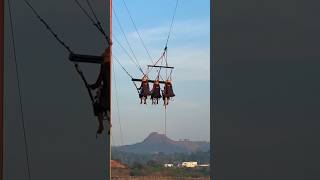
(110,87)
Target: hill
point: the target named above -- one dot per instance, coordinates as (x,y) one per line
(160,143)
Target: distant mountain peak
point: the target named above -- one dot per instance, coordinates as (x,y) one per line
(156,142)
(156,138)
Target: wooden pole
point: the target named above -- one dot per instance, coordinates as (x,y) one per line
(1,85)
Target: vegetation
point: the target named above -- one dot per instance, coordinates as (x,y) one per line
(151,168)
(161,158)
(153,164)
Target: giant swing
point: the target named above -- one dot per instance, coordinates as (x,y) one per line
(156,93)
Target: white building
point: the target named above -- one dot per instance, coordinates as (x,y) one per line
(204,165)
(190,164)
(168,165)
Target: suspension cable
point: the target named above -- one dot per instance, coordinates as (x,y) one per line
(126,52)
(85,12)
(174,14)
(165,120)
(115,58)
(118,109)
(122,66)
(149,70)
(119,24)
(76,65)
(96,23)
(135,27)
(92,11)
(48,27)
(27,151)
(170,30)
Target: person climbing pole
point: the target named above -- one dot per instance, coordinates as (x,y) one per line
(102,84)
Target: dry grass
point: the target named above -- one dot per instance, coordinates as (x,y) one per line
(157,178)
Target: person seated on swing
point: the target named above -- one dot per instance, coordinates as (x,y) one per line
(155,92)
(102,84)
(144,89)
(167,93)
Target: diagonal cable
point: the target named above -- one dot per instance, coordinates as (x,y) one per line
(118,109)
(20,96)
(172,20)
(96,23)
(119,24)
(48,27)
(134,24)
(127,53)
(115,58)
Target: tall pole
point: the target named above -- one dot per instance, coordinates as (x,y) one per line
(1,85)
(110,87)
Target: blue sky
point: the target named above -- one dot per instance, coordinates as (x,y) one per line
(188,51)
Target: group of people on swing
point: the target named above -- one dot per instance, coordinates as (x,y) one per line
(156,93)
(101,104)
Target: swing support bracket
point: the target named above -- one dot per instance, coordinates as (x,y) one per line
(86,58)
(151,81)
(170,67)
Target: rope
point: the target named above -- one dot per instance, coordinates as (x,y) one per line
(165,120)
(48,27)
(144,46)
(149,70)
(119,24)
(166,45)
(114,57)
(96,23)
(118,109)
(85,12)
(174,14)
(20,96)
(166,60)
(92,11)
(126,52)
(121,66)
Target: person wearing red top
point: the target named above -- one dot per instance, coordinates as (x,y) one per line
(155,92)
(144,89)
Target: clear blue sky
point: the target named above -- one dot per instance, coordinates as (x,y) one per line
(188,51)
